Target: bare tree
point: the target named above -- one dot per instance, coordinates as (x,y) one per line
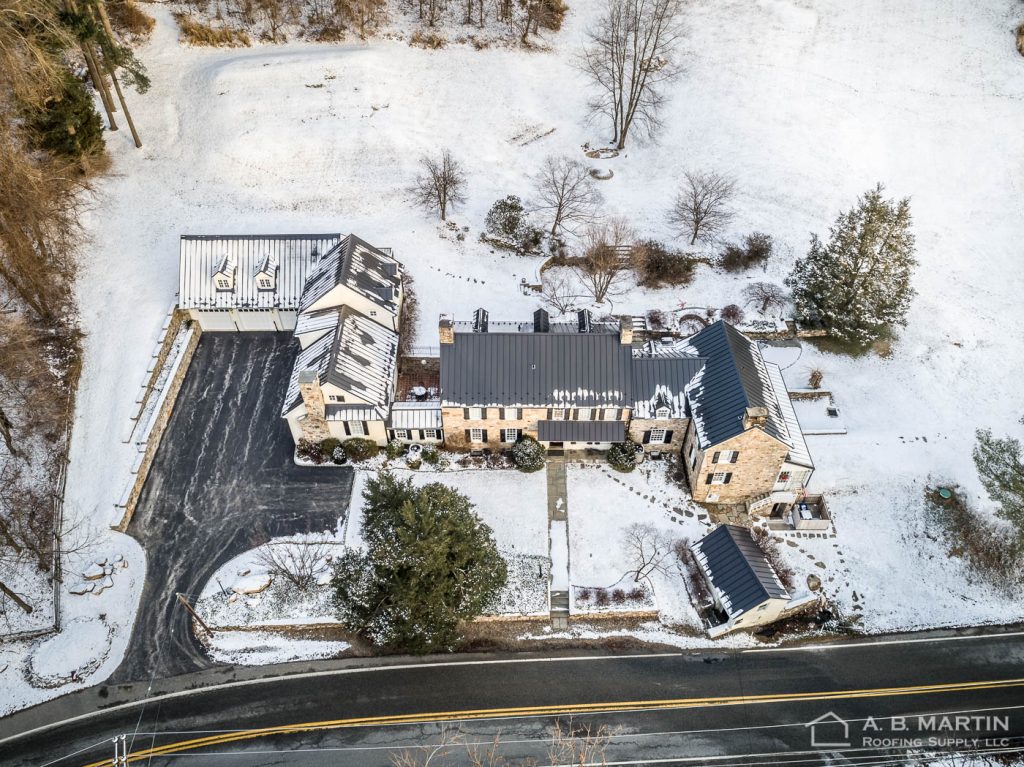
(297,562)
(702,207)
(606,258)
(441,185)
(558,291)
(765,296)
(566,193)
(647,549)
(629,57)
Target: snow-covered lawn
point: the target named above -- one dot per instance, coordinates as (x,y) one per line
(807,105)
(258,648)
(603,504)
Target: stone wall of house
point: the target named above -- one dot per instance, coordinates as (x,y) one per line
(456,424)
(676,428)
(754,473)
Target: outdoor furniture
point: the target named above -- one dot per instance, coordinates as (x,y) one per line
(419,392)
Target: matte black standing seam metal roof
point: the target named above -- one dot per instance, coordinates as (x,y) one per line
(543,369)
(581,431)
(738,569)
(735,377)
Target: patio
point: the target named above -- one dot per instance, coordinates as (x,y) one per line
(808,514)
(419,380)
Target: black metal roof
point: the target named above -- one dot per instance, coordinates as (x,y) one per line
(541,369)
(735,377)
(738,568)
(581,431)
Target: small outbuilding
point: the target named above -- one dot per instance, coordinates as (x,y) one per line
(745,588)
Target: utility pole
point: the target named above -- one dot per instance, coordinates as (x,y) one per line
(193,613)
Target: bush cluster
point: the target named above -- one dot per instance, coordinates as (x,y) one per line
(360,448)
(528,454)
(622,456)
(507,222)
(395,449)
(733,314)
(755,249)
(430,455)
(657,266)
(309,451)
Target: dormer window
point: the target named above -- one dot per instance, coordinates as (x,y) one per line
(224,275)
(266,275)
(264,283)
(662,412)
(223,283)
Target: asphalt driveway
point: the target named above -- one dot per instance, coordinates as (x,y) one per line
(222,480)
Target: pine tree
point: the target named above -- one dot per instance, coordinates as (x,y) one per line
(430,564)
(69,125)
(1001,468)
(858,283)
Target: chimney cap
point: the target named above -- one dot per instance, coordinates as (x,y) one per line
(308,377)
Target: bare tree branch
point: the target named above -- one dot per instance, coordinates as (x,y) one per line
(607,256)
(441,185)
(297,562)
(647,549)
(701,208)
(566,194)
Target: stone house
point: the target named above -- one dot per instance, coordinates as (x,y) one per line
(570,385)
(744,586)
(743,443)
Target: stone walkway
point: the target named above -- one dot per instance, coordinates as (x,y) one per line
(558,542)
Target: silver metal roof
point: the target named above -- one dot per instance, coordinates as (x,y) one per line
(201,256)
(798,451)
(738,569)
(367,270)
(414,415)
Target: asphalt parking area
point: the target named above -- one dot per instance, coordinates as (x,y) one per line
(222,479)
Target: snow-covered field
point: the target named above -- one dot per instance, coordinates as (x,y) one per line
(807,106)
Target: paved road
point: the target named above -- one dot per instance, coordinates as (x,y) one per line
(673,707)
(223,479)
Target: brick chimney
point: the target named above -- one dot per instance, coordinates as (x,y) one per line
(446,329)
(754,416)
(625,330)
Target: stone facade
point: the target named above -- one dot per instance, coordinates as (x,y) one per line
(495,419)
(675,428)
(313,423)
(759,458)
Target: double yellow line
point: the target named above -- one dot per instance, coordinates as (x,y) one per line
(562,710)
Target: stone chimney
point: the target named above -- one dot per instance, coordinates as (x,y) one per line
(625,330)
(314,425)
(755,416)
(446,329)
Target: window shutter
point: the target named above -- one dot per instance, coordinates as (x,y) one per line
(707,480)
(366,429)
(714,458)
(469,437)
(519,434)
(484,434)
(345,424)
(465,413)
(735,456)
(668,437)
(549,414)
(519,414)
(728,477)
(647,437)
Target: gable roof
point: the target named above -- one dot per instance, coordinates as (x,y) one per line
(202,255)
(357,355)
(511,365)
(734,378)
(361,267)
(738,569)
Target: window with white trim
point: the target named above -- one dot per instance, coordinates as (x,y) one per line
(725,456)
(476,435)
(783,478)
(611,413)
(719,478)
(509,436)
(223,283)
(583,414)
(476,413)
(264,283)
(558,414)
(355,428)
(510,414)
(658,436)
(401,434)
(431,434)
(662,412)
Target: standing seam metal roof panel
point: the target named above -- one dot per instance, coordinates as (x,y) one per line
(738,569)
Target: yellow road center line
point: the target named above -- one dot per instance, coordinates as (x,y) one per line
(565,709)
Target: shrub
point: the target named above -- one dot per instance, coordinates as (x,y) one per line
(196,33)
(622,456)
(506,220)
(658,266)
(309,451)
(395,449)
(360,448)
(429,40)
(528,454)
(815,377)
(732,314)
(328,445)
(755,249)
(601,597)
(637,594)
(126,16)
(618,596)
(430,455)
(584,595)
(656,319)
(338,455)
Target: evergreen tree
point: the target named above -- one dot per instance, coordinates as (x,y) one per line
(430,563)
(858,283)
(1001,468)
(69,125)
